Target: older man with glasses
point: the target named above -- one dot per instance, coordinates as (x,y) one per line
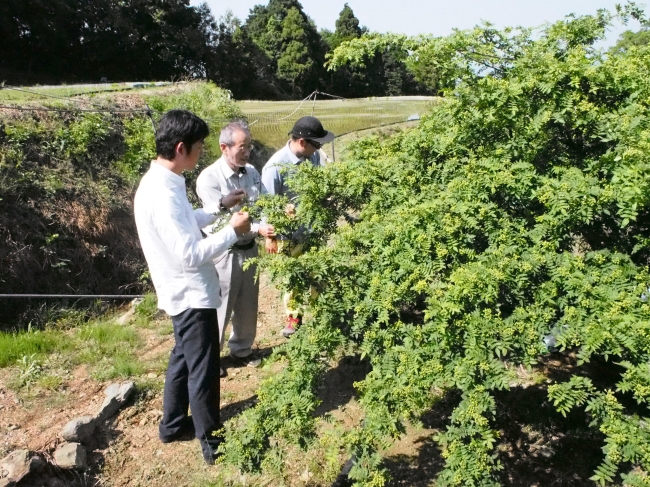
(307,137)
(229,183)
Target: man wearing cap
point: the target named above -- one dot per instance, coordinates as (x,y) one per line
(307,137)
(230,182)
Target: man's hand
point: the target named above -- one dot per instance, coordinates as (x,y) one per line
(271,245)
(266,230)
(234,197)
(241,223)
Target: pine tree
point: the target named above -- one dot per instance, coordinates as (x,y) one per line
(294,61)
(347,26)
(289,40)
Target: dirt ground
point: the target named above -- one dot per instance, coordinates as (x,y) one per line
(538,446)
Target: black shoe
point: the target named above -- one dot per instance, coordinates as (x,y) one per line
(185,433)
(209,447)
(250,360)
(222,372)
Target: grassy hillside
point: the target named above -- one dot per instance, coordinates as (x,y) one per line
(67,184)
(68,177)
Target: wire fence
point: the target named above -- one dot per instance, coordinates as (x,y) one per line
(271,121)
(97,108)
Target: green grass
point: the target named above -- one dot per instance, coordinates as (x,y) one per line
(120,365)
(50,382)
(15,346)
(110,349)
(14,96)
(99,342)
(271,121)
(146,309)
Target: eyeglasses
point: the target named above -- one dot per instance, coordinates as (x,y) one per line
(240,148)
(313,143)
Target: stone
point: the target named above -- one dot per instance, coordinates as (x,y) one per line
(116,397)
(16,465)
(79,430)
(126,317)
(71,455)
(7,482)
(306,475)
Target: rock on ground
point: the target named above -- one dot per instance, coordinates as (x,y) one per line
(71,455)
(116,396)
(79,430)
(14,466)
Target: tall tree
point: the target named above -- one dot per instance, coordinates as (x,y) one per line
(294,61)
(350,81)
(234,61)
(379,71)
(347,26)
(629,38)
(79,40)
(291,43)
(39,38)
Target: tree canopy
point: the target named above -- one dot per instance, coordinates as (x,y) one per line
(629,39)
(74,40)
(276,53)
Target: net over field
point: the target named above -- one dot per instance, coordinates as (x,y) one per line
(271,121)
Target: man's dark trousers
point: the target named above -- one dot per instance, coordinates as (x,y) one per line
(192,375)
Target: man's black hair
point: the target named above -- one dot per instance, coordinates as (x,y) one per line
(179,126)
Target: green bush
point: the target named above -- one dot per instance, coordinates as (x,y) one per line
(140,147)
(518,208)
(209,102)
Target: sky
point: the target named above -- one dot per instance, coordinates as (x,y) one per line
(437,17)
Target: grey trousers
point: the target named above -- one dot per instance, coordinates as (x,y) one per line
(239,294)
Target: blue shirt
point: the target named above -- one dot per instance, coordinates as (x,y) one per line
(279,167)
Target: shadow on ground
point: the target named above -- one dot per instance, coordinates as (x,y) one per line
(337,386)
(537,447)
(52,476)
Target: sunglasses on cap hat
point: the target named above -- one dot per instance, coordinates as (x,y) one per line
(313,143)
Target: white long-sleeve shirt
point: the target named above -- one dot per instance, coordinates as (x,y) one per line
(179,258)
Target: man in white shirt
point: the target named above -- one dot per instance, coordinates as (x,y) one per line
(307,137)
(229,183)
(187,286)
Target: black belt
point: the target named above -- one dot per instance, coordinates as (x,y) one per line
(246,246)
